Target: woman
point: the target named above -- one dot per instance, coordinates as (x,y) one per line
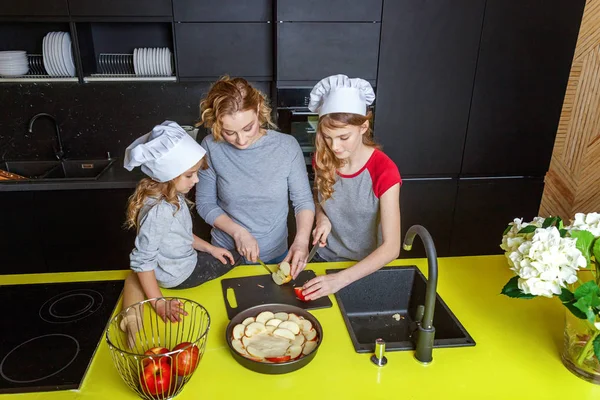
(251,171)
(357,185)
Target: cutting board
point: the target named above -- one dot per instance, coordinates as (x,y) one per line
(251,291)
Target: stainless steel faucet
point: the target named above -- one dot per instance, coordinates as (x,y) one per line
(426,330)
(60,154)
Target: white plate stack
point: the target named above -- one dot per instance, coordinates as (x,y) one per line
(13,63)
(58,57)
(152,62)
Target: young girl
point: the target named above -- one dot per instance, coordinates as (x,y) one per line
(253,172)
(167,254)
(357,186)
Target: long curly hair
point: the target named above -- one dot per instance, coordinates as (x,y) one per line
(228,96)
(326,163)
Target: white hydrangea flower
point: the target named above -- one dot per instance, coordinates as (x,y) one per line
(546,262)
(512,239)
(586,222)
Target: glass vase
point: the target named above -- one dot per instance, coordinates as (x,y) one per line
(578,351)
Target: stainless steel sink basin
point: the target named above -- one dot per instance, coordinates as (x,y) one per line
(386,304)
(78,170)
(29,169)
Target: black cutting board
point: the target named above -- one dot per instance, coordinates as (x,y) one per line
(252,291)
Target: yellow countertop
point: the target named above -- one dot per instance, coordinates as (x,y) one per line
(517,355)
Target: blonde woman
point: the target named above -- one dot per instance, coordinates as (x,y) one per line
(253,172)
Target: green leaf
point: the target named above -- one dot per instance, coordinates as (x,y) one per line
(507,230)
(597,347)
(568,299)
(563,232)
(560,224)
(528,229)
(586,289)
(585,240)
(596,250)
(588,299)
(551,221)
(511,289)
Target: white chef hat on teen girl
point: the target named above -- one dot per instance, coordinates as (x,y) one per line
(164,153)
(340,94)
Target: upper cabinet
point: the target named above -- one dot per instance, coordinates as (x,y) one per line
(308,51)
(427,65)
(223,10)
(526,51)
(46,8)
(121,8)
(329,11)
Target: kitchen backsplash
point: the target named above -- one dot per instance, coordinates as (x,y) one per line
(93,118)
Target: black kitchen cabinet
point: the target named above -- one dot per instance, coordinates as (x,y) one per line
(28,36)
(430,203)
(20,238)
(211,50)
(121,8)
(223,10)
(329,11)
(309,51)
(82,230)
(41,8)
(524,61)
(484,207)
(427,64)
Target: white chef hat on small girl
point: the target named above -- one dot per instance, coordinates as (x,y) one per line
(164,153)
(340,94)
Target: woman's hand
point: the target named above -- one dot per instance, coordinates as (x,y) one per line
(246,245)
(323,285)
(222,254)
(296,256)
(169,310)
(321,231)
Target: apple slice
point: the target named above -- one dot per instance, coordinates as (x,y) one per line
(270,328)
(309,347)
(246,341)
(295,351)
(285,267)
(254,329)
(278,359)
(294,317)
(264,316)
(299,340)
(310,335)
(290,326)
(277,278)
(248,321)
(239,347)
(273,322)
(255,351)
(282,316)
(305,325)
(238,331)
(284,333)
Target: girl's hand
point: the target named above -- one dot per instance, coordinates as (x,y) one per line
(321,231)
(323,285)
(222,254)
(246,245)
(169,310)
(296,256)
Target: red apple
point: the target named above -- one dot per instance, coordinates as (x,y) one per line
(155,351)
(278,359)
(187,360)
(299,295)
(156,376)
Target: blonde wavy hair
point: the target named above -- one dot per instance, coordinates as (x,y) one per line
(228,96)
(146,188)
(326,163)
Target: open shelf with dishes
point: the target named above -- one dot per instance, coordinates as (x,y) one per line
(37,51)
(115,51)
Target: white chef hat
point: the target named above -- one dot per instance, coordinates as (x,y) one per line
(340,94)
(164,153)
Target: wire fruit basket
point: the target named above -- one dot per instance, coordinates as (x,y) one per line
(156,358)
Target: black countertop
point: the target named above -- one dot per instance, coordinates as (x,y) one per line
(115,177)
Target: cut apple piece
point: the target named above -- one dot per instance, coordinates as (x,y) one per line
(282,316)
(305,325)
(273,322)
(246,341)
(270,328)
(310,335)
(285,267)
(254,329)
(277,278)
(299,340)
(238,331)
(290,326)
(248,321)
(254,351)
(294,317)
(295,351)
(284,333)
(239,347)
(264,316)
(279,359)
(309,347)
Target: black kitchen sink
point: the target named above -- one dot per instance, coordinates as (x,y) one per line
(385,304)
(78,170)
(29,169)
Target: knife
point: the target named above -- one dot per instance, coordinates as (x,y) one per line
(264,265)
(312,253)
